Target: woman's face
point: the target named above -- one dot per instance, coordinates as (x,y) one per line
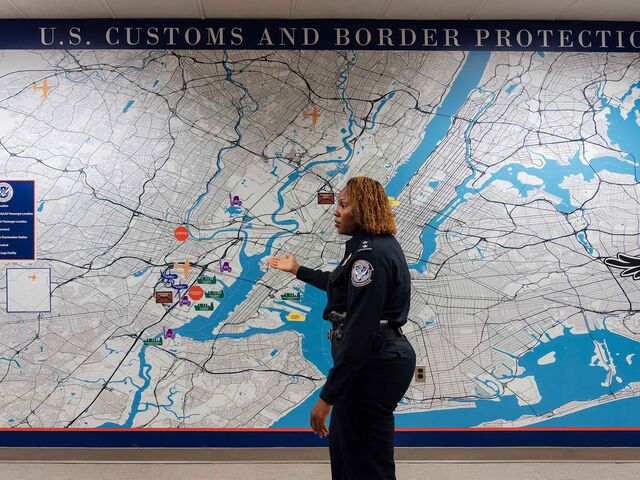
(343,214)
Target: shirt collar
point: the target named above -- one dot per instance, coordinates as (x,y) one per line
(355,240)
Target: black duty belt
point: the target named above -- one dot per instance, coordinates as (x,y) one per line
(389,325)
(386,328)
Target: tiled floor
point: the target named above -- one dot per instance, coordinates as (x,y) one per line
(317,471)
(312,463)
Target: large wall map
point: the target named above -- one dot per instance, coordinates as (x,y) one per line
(165,178)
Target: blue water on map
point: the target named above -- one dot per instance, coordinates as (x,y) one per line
(200,327)
(437,128)
(11,360)
(139,273)
(128,106)
(235,211)
(570,377)
(313,329)
(144,372)
(624,132)
(552,174)
(619,413)
(578,380)
(583,240)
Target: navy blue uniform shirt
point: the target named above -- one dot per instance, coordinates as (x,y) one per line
(371,283)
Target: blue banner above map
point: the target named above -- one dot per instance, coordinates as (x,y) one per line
(325,34)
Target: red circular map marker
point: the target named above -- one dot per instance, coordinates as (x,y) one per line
(196,292)
(181,233)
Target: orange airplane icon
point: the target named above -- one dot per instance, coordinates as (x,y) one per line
(315,115)
(44,87)
(185,267)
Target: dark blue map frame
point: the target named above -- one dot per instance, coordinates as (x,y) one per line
(571,36)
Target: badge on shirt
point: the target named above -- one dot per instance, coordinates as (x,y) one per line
(364,246)
(361,273)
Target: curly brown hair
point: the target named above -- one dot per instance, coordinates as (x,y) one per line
(370,205)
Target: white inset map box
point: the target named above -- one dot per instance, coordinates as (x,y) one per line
(28,290)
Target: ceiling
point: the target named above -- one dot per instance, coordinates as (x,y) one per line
(623,10)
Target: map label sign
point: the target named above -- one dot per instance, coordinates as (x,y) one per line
(17,220)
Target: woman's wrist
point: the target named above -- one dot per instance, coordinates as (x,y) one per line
(295,269)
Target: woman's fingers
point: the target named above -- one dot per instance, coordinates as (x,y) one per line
(283,263)
(315,426)
(278,265)
(286,263)
(318,424)
(321,429)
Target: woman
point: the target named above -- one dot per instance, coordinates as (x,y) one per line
(373,361)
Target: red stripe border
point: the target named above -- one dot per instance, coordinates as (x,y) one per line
(267,430)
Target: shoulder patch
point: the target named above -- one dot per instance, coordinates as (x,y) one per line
(365,245)
(361,273)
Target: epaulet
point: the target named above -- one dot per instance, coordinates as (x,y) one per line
(365,246)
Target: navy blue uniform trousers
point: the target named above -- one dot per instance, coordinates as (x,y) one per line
(361,430)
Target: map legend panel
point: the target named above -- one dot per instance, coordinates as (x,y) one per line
(17,220)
